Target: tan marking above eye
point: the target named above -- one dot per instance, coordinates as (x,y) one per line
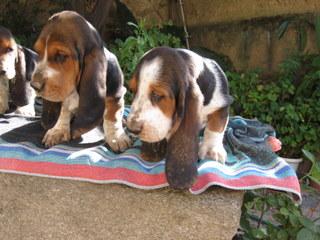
(167,101)
(57,47)
(160,89)
(167,106)
(6,45)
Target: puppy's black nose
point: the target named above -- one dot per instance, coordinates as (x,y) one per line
(36,85)
(2,72)
(134,126)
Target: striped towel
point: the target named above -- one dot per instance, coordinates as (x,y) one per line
(90,160)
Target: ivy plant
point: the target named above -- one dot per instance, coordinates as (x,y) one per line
(289,101)
(272,216)
(314,172)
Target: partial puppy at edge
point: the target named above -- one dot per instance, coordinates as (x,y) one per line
(16,66)
(76,70)
(177,93)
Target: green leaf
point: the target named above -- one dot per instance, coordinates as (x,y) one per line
(281,202)
(306,234)
(294,220)
(133,24)
(309,156)
(284,211)
(316,62)
(307,223)
(282,28)
(280,218)
(315,179)
(317,28)
(282,234)
(258,233)
(302,38)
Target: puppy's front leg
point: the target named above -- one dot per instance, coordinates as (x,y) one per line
(212,144)
(61,130)
(4,95)
(114,133)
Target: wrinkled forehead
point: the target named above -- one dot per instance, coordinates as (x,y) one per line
(67,30)
(150,70)
(53,42)
(158,71)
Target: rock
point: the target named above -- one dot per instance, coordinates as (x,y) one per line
(43,208)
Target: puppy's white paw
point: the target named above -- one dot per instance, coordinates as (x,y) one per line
(27,110)
(214,152)
(118,141)
(55,136)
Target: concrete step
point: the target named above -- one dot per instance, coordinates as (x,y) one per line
(43,208)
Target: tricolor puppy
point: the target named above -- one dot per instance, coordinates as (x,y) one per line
(77,70)
(16,66)
(177,92)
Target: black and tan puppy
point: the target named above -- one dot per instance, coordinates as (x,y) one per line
(177,92)
(77,70)
(16,66)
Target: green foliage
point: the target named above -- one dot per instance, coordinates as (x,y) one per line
(314,173)
(270,215)
(22,18)
(317,28)
(290,102)
(131,50)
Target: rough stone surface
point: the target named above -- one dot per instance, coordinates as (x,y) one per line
(206,12)
(42,208)
(149,9)
(250,46)
(237,30)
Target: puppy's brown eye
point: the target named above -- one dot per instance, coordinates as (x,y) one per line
(155,97)
(60,58)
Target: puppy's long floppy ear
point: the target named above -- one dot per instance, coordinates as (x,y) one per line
(92,91)
(182,148)
(50,113)
(114,76)
(20,89)
(31,60)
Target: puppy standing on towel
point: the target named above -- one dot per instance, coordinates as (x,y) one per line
(16,66)
(176,93)
(75,69)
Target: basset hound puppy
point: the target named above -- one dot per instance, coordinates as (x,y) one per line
(16,66)
(77,71)
(177,92)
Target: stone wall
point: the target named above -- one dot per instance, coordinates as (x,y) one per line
(207,12)
(246,33)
